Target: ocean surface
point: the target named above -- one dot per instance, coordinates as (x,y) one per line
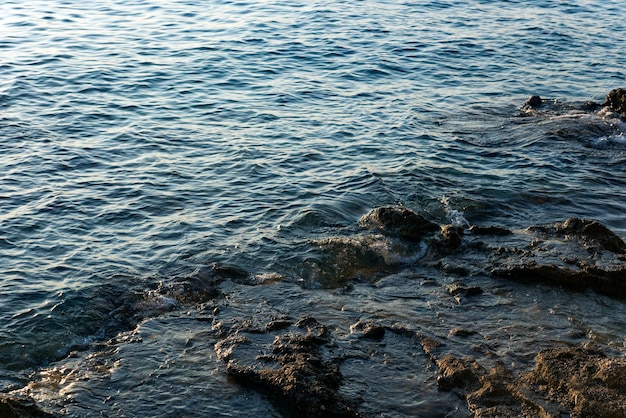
(143,141)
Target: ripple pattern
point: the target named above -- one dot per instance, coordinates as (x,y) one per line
(140,138)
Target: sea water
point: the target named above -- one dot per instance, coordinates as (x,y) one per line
(144,140)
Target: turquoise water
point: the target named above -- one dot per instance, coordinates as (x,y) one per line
(141,141)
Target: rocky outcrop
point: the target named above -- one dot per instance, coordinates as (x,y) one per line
(292,368)
(616,100)
(593,233)
(575,253)
(399,221)
(532,102)
(614,106)
(582,379)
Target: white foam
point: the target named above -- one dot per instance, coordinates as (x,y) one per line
(454,216)
(608,140)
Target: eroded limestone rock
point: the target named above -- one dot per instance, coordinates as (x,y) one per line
(290,367)
(582,379)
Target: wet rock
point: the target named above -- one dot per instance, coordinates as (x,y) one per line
(20,407)
(457,373)
(608,282)
(463,333)
(498,396)
(583,380)
(591,106)
(199,286)
(488,393)
(592,232)
(278,324)
(451,236)
(400,222)
(450,267)
(533,102)
(576,382)
(489,230)
(458,289)
(292,369)
(616,100)
(368,329)
(576,253)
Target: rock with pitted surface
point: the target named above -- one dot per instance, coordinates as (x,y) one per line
(292,368)
(616,100)
(592,232)
(583,379)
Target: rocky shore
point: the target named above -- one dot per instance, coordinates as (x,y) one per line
(322,348)
(576,381)
(301,363)
(298,361)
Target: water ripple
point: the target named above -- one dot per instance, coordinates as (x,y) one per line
(138,136)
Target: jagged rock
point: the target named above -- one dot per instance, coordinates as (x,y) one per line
(496,395)
(292,369)
(592,231)
(616,100)
(459,373)
(576,253)
(583,379)
(400,222)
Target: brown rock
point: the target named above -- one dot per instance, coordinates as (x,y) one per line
(451,236)
(583,379)
(294,371)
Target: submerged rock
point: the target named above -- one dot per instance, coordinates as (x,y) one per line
(458,290)
(400,222)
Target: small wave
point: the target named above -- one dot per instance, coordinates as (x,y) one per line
(609,141)
(454,216)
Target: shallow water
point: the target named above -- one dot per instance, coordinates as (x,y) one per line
(142,141)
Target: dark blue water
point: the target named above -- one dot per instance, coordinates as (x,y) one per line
(144,140)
